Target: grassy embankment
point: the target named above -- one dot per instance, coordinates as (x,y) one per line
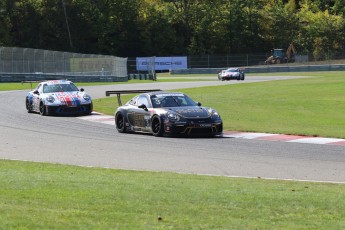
(46,196)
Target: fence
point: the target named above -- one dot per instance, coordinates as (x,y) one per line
(251,60)
(34,64)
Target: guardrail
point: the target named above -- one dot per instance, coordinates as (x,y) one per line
(265,69)
(19,77)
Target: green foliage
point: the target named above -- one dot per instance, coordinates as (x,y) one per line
(321,32)
(174,27)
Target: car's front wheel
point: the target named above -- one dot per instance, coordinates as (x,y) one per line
(42,109)
(157,126)
(28,105)
(120,123)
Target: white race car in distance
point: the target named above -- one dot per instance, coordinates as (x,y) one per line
(58,97)
(231,73)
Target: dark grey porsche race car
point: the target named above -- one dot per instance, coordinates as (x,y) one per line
(165,113)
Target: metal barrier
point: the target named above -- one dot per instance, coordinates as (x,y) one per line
(18,64)
(265,69)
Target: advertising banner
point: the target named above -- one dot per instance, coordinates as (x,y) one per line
(161,63)
(90,64)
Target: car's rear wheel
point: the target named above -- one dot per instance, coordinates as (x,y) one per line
(120,123)
(157,126)
(242,77)
(28,105)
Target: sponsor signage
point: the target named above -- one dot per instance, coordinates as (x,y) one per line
(161,63)
(90,64)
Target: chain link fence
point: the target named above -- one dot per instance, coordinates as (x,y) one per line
(18,64)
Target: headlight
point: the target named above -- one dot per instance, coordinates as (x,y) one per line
(50,99)
(173,117)
(86,97)
(213,112)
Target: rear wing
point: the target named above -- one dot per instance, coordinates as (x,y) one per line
(119,92)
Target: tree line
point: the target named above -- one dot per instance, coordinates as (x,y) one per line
(131,28)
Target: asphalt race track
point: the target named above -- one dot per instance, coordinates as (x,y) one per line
(73,141)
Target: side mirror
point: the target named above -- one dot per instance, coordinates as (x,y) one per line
(81,89)
(198,103)
(143,106)
(36,92)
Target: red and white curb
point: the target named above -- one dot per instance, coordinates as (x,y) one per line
(285,138)
(109,120)
(99,118)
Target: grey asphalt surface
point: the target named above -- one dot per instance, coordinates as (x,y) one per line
(68,140)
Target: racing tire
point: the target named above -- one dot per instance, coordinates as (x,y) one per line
(242,77)
(120,123)
(43,109)
(28,105)
(157,126)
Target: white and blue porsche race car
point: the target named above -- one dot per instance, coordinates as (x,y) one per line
(231,73)
(58,97)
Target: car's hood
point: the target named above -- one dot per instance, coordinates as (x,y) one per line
(191,111)
(67,98)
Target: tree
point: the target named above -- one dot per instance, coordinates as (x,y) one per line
(279,23)
(158,36)
(321,33)
(5,22)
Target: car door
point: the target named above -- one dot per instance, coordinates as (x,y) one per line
(140,117)
(36,97)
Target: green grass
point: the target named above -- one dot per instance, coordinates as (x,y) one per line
(311,106)
(47,196)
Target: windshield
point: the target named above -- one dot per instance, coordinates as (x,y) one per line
(54,88)
(171,100)
(232,70)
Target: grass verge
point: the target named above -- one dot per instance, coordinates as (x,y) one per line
(47,196)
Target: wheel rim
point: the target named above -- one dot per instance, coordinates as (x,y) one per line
(41,108)
(156,126)
(119,122)
(28,106)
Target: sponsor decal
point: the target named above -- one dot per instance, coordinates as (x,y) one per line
(161,63)
(54,82)
(170,94)
(69,99)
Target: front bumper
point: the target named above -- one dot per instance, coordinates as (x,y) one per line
(70,110)
(192,128)
(229,77)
